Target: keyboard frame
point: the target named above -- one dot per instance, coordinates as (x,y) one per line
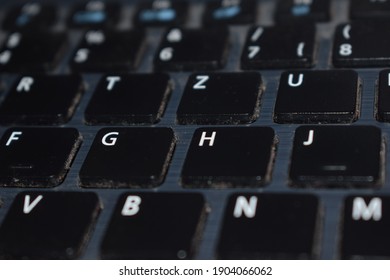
(331,200)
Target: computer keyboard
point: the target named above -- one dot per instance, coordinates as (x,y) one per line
(194,129)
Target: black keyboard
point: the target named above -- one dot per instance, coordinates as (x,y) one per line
(219,129)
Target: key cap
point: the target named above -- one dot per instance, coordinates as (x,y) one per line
(298,10)
(48,225)
(42,99)
(288,46)
(129,99)
(193,49)
(32,51)
(31,15)
(104,51)
(128,158)
(95,14)
(161,13)
(229,157)
(337,156)
(353,44)
(270,226)
(369,10)
(230,12)
(149,226)
(331,96)
(37,157)
(221,98)
(366,225)
(382,110)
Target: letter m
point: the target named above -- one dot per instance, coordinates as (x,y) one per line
(372,211)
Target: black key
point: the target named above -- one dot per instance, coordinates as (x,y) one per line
(128,157)
(155,226)
(285,46)
(95,13)
(161,13)
(366,228)
(193,49)
(382,111)
(370,9)
(32,15)
(229,157)
(221,98)
(42,99)
(48,225)
(303,10)
(337,156)
(129,99)
(331,96)
(230,12)
(350,48)
(32,51)
(270,226)
(103,51)
(37,157)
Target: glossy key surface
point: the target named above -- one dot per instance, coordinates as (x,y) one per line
(328,96)
(42,100)
(230,12)
(270,226)
(94,13)
(221,98)
(104,50)
(129,99)
(365,228)
(33,15)
(305,11)
(32,51)
(284,46)
(351,47)
(128,158)
(161,13)
(37,157)
(193,49)
(337,156)
(224,157)
(155,226)
(48,225)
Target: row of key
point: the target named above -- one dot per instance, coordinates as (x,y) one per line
(276,47)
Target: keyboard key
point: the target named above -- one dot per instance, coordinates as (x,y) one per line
(95,14)
(229,157)
(337,156)
(161,13)
(230,12)
(32,15)
(221,98)
(128,158)
(382,111)
(129,99)
(193,49)
(370,10)
(330,96)
(32,51)
(270,226)
(37,157)
(298,10)
(42,99)
(351,49)
(48,225)
(279,47)
(160,230)
(366,227)
(104,51)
